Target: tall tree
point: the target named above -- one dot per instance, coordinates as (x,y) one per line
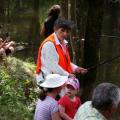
(81,19)
(34,29)
(112,45)
(92,37)
(72,16)
(64,8)
(2,5)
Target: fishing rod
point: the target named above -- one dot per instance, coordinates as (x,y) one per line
(110,36)
(102,35)
(102,63)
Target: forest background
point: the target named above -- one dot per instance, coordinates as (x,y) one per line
(95,38)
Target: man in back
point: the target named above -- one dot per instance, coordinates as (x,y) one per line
(104,103)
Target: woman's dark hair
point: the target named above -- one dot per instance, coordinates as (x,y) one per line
(105,96)
(63,23)
(54,10)
(43,93)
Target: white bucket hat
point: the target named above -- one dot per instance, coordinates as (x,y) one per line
(54,80)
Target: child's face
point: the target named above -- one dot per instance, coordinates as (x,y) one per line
(71,91)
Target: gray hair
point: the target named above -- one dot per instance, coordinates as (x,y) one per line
(105,96)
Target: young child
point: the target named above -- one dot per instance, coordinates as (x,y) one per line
(69,103)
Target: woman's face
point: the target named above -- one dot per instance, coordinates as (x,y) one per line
(62,33)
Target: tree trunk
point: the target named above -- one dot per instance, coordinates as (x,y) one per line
(64,8)
(81,18)
(72,16)
(113,44)
(92,37)
(2,14)
(35,30)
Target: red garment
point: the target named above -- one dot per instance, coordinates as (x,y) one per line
(71,107)
(64,60)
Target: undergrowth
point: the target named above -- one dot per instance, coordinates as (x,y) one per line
(18,90)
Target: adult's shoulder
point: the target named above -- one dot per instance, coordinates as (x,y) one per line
(48,44)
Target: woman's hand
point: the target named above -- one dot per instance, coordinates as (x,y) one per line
(81,70)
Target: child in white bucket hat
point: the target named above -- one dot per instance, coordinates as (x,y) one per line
(47,108)
(69,103)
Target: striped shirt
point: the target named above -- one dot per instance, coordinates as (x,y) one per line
(45,109)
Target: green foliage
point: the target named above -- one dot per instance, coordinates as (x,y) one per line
(17,90)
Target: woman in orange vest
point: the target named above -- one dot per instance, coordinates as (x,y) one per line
(53,54)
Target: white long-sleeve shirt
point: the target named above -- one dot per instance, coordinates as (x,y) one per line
(50,59)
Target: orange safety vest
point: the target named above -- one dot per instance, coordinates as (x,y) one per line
(64,60)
